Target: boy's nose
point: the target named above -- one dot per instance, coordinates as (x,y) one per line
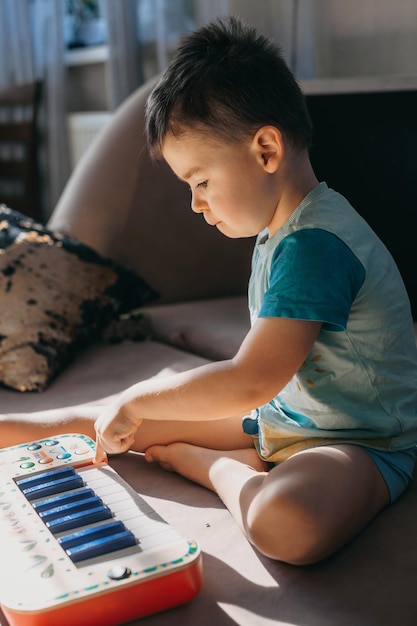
(197,205)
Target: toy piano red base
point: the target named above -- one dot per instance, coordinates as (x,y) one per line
(120,606)
(79,547)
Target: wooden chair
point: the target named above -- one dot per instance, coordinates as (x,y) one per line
(18,148)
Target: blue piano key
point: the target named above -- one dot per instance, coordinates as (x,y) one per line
(91,533)
(70,507)
(64,498)
(82,518)
(98,547)
(53,486)
(43,477)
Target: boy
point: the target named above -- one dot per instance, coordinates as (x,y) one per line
(329,365)
(326,377)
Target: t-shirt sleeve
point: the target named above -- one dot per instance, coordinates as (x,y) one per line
(314,276)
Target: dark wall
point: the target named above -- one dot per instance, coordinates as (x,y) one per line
(365,146)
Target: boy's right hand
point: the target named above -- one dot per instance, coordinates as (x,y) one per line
(116,429)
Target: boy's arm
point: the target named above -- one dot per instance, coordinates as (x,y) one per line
(272,352)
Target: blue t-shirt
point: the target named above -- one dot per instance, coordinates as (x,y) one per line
(359,383)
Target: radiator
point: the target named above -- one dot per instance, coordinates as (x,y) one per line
(82,129)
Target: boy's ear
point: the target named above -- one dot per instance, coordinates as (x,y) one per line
(268,143)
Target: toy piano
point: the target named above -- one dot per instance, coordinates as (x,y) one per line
(79,546)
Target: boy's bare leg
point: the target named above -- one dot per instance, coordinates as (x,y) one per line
(22,427)
(300,512)
(219,434)
(222,434)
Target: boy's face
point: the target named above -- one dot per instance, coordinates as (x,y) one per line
(228,182)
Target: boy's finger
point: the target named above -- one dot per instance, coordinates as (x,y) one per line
(100,454)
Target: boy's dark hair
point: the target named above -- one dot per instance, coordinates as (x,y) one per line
(228,79)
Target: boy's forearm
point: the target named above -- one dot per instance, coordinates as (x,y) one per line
(214,391)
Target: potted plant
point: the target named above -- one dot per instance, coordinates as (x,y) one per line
(88,25)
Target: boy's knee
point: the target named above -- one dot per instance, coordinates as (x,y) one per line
(286,531)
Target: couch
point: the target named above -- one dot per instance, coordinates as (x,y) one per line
(136,212)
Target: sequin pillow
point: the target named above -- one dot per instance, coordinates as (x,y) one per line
(57,295)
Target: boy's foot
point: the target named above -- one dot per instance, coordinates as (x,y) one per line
(195,463)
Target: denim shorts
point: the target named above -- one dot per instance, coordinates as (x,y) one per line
(396,468)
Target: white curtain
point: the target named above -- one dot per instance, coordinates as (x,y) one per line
(16,58)
(50,21)
(31,48)
(142,35)
(125,66)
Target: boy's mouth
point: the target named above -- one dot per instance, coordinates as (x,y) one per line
(211,223)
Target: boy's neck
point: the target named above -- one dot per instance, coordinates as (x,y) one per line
(297,179)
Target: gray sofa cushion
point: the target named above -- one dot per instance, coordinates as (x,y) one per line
(371,581)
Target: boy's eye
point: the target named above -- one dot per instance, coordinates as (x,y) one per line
(202,185)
